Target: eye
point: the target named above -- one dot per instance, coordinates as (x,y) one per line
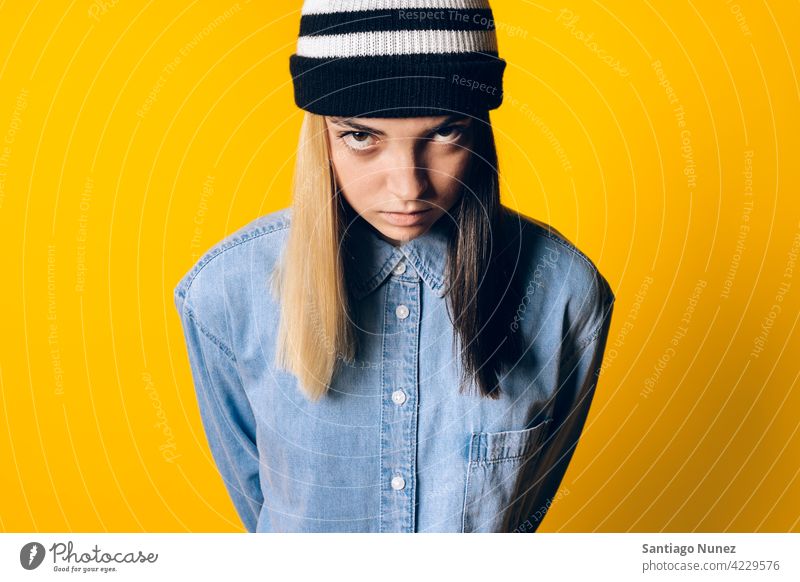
(451,133)
(355,140)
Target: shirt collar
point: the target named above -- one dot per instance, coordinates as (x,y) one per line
(370,259)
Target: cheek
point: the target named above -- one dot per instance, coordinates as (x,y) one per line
(448,174)
(357,185)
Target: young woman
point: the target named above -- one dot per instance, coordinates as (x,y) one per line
(397,351)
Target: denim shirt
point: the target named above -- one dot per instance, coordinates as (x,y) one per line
(393,446)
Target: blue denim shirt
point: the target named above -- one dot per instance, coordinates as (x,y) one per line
(393,446)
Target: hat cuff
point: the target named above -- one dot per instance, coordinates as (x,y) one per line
(398,85)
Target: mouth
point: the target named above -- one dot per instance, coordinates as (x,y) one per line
(415,213)
(405,218)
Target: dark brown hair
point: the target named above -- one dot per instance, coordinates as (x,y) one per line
(484,293)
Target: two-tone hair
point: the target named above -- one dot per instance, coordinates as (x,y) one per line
(316,329)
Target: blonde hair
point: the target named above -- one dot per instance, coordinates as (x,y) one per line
(309,282)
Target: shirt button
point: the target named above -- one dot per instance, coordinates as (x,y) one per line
(398,482)
(398,397)
(400,268)
(401,311)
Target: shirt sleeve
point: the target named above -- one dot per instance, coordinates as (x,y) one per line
(573,397)
(225,412)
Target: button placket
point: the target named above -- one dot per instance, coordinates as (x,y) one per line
(398,410)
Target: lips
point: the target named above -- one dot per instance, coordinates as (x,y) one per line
(409,213)
(406,218)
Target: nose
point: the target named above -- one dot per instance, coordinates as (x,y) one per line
(406,174)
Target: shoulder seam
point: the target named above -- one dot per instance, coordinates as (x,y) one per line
(591,338)
(603,294)
(209,334)
(596,331)
(186,282)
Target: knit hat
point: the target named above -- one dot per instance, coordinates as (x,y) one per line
(397,58)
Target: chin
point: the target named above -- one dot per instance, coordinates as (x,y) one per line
(404,232)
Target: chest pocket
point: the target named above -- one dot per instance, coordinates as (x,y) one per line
(495,462)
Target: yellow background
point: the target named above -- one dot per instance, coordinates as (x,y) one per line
(134,135)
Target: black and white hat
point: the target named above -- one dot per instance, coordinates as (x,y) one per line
(397,58)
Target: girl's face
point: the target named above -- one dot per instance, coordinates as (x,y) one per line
(401,175)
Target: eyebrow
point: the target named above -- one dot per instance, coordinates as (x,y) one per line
(348,122)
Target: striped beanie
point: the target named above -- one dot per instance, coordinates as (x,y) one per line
(397,58)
